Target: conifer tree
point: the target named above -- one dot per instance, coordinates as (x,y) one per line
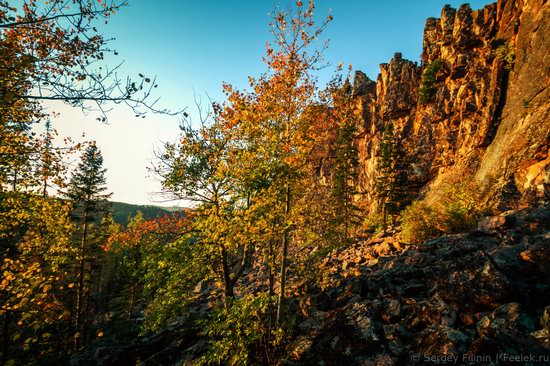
(392,179)
(345,163)
(86,191)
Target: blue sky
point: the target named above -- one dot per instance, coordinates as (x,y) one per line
(194,46)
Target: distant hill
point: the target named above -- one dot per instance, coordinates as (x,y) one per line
(123,211)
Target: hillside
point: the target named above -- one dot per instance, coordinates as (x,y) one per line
(123,211)
(478,298)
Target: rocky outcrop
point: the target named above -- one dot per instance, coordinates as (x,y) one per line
(468,297)
(487,115)
(472,296)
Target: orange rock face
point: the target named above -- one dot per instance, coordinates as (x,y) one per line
(488,116)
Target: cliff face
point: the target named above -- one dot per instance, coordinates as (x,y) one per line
(487,112)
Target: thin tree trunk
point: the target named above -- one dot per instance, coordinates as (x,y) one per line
(80,290)
(86,305)
(384,217)
(14,184)
(346,219)
(271,290)
(6,336)
(132,303)
(228,285)
(271,267)
(99,301)
(45,188)
(226,271)
(284,258)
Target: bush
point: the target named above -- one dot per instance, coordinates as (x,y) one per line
(460,207)
(237,333)
(373,223)
(427,90)
(455,208)
(504,53)
(419,223)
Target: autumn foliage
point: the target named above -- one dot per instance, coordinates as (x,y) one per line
(253,168)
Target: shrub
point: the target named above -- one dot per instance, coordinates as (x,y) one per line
(504,53)
(427,90)
(419,223)
(460,207)
(373,223)
(236,333)
(455,208)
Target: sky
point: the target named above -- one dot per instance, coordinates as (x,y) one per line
(193,46)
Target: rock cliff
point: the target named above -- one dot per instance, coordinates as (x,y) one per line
(485,112)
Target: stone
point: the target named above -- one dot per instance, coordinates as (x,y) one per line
(299,348)
(507,319)
(443,340)
(491,223)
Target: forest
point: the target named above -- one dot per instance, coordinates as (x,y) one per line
(353,222)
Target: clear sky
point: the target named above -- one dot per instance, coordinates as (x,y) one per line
(193,46)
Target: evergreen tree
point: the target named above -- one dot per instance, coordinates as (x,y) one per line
(392,178)
(86,190)
(345,164)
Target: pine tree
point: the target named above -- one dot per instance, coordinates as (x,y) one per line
(86,191)
(346,164)
(392,179)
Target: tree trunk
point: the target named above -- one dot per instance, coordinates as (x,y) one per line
(6,336)
(45,188)
(80,290)
(132,304)
(14,183)
(227,283)
(284,258)
(384,217)
(271,267)
(99,303)
(271,290)
(346,219)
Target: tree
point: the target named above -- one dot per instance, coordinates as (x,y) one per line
(35,257)
(346,162)
(16,154)
(428,87)
(198,169)
(272,116)
(392,178)
(49,50)
(86,191)
(49,162)
(54,52)
(155,263)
